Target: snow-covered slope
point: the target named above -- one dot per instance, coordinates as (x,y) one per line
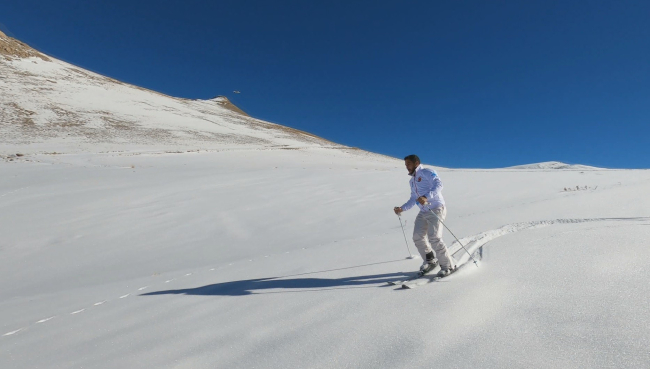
(280,258)
(250,256)
(554,165)
(51,106)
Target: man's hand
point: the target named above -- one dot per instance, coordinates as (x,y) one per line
(422,200)
(397,210)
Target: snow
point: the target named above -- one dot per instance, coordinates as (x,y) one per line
(146,249)
(280,258)
(554,165)
(53,106)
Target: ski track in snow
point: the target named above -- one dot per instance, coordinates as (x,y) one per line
(471,244)
(12,333)
(14,191)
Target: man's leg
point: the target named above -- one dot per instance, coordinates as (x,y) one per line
(435,238)
(420,229)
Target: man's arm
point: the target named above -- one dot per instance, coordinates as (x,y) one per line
(410,203)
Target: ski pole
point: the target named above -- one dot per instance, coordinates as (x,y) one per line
(406,242)
(452,233)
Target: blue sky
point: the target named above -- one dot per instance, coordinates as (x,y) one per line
(460,83)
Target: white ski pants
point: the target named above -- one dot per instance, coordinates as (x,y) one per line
(427,236)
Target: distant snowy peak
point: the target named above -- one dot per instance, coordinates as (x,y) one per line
(554,165)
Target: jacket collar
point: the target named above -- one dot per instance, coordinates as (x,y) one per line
(417,169)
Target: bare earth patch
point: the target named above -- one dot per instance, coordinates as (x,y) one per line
(10,47)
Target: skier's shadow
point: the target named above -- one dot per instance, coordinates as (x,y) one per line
(279,285)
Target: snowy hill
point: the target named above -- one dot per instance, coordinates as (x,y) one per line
(52,106)
(243,254)
(554,165)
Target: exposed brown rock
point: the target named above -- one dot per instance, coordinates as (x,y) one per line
(12,48)
(223,101)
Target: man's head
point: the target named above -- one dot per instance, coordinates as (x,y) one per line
(411,162)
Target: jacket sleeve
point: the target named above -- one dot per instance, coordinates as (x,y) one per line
(409,204)
(436,186)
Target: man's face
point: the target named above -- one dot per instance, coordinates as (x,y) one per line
(410,166)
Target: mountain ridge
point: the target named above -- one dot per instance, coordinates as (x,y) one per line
(11,47)
(48,105)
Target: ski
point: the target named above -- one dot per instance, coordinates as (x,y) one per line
(415,276)
(410,278)
(419,281)
(428,278)
(431,278)
(419,278)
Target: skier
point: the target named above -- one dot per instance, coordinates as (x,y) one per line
(426,189)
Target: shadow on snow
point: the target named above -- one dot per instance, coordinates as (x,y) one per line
(278,285)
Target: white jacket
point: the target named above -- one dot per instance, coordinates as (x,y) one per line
(425,182)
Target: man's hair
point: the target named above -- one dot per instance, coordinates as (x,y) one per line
(412,158)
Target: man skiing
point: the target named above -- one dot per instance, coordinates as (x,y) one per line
(426,189)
